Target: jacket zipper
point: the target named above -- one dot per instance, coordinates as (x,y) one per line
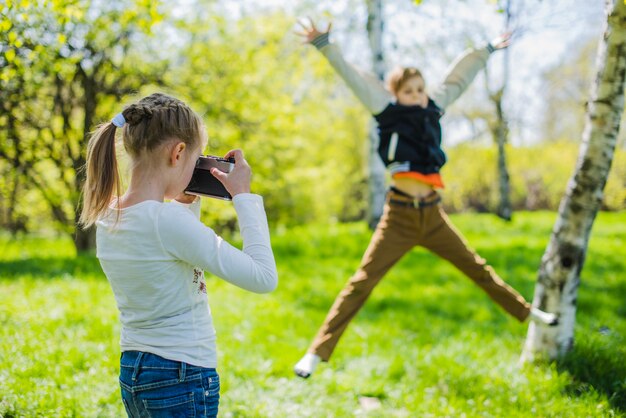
(393,145)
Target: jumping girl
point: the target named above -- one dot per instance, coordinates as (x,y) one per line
(410,146)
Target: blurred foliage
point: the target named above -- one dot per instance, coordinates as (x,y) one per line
(259,89)
(566,88)
(255,85)
(66,65)
(539,175)
(63,64)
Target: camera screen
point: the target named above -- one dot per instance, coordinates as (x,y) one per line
(203,183)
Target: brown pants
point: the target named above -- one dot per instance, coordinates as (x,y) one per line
(400,229)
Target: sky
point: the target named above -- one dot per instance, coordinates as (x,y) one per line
(430,35)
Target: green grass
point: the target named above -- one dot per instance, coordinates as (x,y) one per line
(427,343)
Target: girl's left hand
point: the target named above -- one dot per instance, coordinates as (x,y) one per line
(501,41)
(185,198)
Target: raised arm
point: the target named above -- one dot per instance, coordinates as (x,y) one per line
(253,268)
(184,236)
(366,86)
(462,71)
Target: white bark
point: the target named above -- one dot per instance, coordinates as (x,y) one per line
(559,274)
(376,167)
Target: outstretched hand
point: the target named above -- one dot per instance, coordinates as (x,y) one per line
(501,41)
(310,31)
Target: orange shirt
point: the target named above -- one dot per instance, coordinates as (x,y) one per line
(433,179)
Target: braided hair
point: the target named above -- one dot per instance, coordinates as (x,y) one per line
(149,123)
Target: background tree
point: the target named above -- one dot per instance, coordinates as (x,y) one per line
(22,65)
(483,108)
(376,168)
(66,65)
(500,129)
(559,275)
(259,88)
(567,89)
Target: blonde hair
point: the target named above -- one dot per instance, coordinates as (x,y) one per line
(151,122)
(400,75)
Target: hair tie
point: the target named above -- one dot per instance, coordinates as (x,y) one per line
(119,120)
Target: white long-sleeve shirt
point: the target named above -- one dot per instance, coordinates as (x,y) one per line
(154,257)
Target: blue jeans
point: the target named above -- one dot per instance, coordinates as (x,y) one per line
(156,387)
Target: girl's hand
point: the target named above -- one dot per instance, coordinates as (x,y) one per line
(186,198)
(311,32)
(238,180)
(501,41)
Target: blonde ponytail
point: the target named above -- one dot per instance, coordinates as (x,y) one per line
(146,125)
(103,179)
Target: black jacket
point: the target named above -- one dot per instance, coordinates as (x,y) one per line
(411,134)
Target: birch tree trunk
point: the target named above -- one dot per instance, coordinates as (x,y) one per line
(562,262)
(500,132)
(376,168)
(505,210)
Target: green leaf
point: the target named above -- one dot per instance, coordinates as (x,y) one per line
(10,55)
(5,25)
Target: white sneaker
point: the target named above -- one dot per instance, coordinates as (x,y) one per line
(542,317)
(307,364)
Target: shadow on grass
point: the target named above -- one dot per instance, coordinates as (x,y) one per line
(598,363)
(43,268)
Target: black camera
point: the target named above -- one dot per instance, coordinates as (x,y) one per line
(203,183)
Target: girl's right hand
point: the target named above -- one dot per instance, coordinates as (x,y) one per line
(311,32)
(238,180)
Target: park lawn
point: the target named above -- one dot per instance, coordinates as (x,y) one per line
(427,343)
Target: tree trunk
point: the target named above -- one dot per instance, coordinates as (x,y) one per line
(501,136)
(562,262)
(376,167)
(17,169)
(84,239)
(505,211)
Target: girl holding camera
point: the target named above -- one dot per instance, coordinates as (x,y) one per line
(154,254)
